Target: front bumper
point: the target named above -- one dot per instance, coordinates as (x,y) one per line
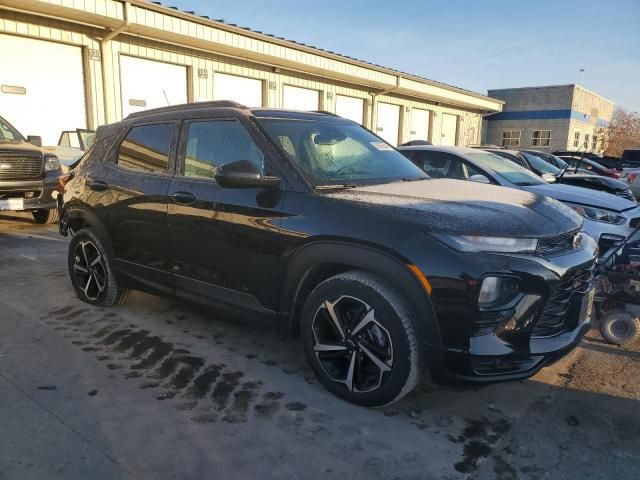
(529,332)
(34,194)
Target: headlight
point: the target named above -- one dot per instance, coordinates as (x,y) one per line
(599,214)
(472,243)
(51,163)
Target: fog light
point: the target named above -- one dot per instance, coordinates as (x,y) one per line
(497,290)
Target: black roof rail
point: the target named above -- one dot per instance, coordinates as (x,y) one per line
(188,106)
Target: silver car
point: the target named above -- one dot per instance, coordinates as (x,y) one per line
(607,218)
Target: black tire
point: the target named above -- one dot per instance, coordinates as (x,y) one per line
(620,327)
(91,271)
(43,216)
(388,335)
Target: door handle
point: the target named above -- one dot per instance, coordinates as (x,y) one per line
(184,198)
(98,186)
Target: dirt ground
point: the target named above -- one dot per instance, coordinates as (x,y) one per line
(158,389)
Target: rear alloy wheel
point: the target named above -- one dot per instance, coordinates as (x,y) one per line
(91,272)
(360,339)
(43,216)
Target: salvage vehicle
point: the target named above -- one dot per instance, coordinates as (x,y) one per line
(578,162)
(534,161)
(607,218)
(71,146)
(28,175)
(613,163)
(315,223)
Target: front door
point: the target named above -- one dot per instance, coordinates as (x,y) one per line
(225,241)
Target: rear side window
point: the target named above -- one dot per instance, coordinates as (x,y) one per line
(213,143)
(146,148)
(440,165)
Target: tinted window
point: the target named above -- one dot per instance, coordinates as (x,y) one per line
(146,148)
(336,152)
(506,169)
(440,164)
(216,142)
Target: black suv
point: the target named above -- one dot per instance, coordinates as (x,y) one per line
(28,175)
(312,221)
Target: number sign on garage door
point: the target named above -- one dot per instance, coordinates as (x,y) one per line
(419,124)
(296,98)
(350,107)
(41,87)
(388,122)
(149,84)
(449,129)
(247,91)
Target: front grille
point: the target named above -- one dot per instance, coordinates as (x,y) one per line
(627,194)
(18,165)
(553,317)
(559,244)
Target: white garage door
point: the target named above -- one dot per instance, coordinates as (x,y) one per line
(41,87)
(350,107)
(419,124)
(449,129)
(247,91)
(388,122)
(296,98)
(169,85)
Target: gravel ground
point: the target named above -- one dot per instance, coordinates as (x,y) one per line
(159,389)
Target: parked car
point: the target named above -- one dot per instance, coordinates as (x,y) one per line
(28,175)
(607,218)
(578,162)
(631,158)
(71,146)
(314,222)
(614,163)
(532,160)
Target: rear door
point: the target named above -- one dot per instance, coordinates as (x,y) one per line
(129,194)
(225,241)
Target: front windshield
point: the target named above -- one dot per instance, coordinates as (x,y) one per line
(339,153)
(8,133)
(539,165)
(506,169)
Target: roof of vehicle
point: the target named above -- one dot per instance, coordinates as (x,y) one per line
(441,148)
(229,104)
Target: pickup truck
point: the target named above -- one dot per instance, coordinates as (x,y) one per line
(28,175)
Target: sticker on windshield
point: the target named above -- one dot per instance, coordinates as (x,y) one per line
(382,146)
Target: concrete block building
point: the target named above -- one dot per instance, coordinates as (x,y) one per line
(67,64)
(559,117)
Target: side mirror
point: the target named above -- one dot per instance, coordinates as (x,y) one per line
(479,179)
(547,177)
(243,174)
(35,140)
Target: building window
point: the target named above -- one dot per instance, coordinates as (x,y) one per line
(541,138)
(511,138)
(594,143)
(576,140)
(586,141)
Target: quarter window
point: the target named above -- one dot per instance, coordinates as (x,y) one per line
(146,148)
(541,138)
(511,138)
(215,142)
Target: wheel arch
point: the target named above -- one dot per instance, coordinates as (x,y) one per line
(78,217)
(317,261)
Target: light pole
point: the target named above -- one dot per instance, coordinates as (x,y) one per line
(581,75)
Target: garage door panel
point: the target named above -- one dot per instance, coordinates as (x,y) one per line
(247,91)
(296,98)
(420,123)
(138,93)
(351,108)
(41,87)
(388,124)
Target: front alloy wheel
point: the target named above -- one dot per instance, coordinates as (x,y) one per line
(352,347)
(89,270)
(359,337)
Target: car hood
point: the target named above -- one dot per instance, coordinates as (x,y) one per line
(582,196)
(465,208)
(19,146)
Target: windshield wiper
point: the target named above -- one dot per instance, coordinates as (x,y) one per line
(337,186)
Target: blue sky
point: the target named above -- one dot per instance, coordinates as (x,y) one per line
(476,45)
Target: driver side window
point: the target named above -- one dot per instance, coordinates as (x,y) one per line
(212,143)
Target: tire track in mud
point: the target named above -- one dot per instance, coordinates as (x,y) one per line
(223,394)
